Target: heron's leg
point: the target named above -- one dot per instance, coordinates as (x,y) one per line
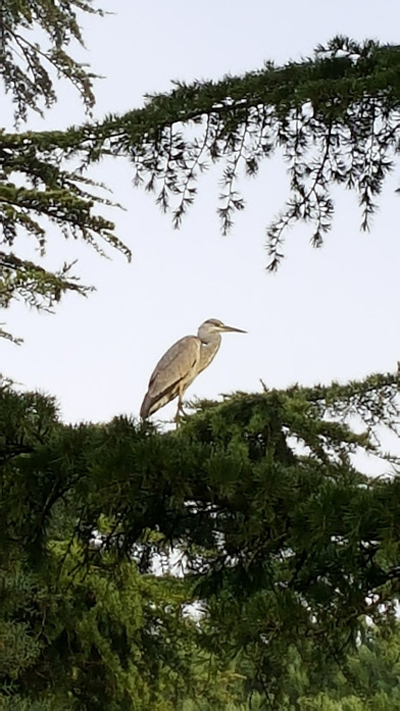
(179,411)
(177,417)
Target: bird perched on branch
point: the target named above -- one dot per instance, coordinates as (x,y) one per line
(181,363)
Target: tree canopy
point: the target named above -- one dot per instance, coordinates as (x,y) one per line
(334,117)
(28,68)
(286,546)
(246,560)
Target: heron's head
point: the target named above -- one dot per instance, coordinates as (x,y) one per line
(214,325)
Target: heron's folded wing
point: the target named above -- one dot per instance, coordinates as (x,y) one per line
(176,370)
(179,360)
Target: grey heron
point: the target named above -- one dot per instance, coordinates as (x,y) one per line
(181,364)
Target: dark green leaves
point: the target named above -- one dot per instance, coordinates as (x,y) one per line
(27,68)
(335,117)
(281,538)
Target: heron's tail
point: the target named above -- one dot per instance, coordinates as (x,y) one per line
(153,401)
(145,410)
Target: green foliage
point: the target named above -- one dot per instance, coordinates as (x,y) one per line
(36,286)
(27,67)
(49,194)
(334,117)
(288,550)
(82,626)
(35,191)
(368,679)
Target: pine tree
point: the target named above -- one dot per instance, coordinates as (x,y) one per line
(333,116)
(35,190)
(85,622)
(287,548)
(27,67)
(285,544)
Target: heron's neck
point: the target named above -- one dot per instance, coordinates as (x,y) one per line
(208,349)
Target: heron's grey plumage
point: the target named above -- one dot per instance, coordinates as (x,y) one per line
(181,363)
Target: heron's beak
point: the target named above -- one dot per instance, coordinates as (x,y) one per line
(232,329)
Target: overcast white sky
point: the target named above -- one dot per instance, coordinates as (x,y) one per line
(327,314)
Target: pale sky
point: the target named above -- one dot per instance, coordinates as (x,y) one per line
(327,314)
